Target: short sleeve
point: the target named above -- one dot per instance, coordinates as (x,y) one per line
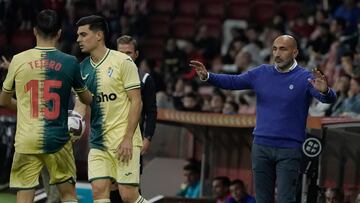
(130,75)
(78,83)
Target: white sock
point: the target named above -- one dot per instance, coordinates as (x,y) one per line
(140,199)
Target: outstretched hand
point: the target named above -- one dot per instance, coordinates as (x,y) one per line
(199,68)
(319,82)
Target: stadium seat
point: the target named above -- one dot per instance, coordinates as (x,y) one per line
(263,11)
(152,49)
(238,10)
(183,27)
(22,40)
(291,9)
(214,26)
(159,26)
(213,8)
(188,8)
(162,6)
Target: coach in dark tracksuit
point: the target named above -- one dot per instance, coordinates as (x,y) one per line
(283,95)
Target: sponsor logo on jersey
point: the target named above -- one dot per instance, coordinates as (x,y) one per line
(102,97)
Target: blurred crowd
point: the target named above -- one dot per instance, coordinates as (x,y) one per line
(225,190)
(328,37)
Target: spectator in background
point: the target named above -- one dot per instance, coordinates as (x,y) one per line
(244,62)
(349,12)
(334,195)
(191,53)
(208,45)
(341,86)
(217,101)
(149,65)
(235,46)
(247,103)
(254,46)
(301,27)
(351,62)
(230,107)
(239,193)
(191,102)
(221,189)
(174,60)
(178,93)
(351,105)
(191,187)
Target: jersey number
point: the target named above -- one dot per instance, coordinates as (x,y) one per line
(33,87)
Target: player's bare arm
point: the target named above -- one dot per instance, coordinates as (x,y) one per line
(85,97)
(200,69)
(80,107)
(124,150)
(319,82)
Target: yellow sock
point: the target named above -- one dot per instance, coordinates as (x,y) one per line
(70,201)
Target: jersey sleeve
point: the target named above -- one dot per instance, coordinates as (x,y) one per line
(130,76)
(78,83)
(9,82)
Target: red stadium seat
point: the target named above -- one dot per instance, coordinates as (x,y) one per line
(263,11)
(214,9)
(214,26)
(291,9)
(152,49)
(183,27)
(22,40)
(159,26)
(162,6)
(238,10)
(188,8)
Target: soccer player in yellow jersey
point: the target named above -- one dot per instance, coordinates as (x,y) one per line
(115,138)
(42,78)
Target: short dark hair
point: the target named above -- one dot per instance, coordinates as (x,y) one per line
(193,166)
(225,181)
(126,39)
(95,22)
(239,183)
(47,23)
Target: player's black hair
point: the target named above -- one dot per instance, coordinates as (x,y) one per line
(47,23)
(225,181)
(95,22)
